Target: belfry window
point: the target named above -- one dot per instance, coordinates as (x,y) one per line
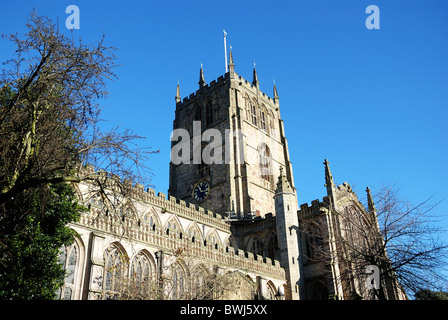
(265,162)
(203,168)
(262,121)
(253,112)
(208,114)
(197,113)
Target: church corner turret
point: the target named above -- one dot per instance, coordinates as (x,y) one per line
(288,236)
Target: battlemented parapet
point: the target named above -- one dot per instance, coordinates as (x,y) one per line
(179,207)
(206,89)
(223,81)
(317,207)
(133,228)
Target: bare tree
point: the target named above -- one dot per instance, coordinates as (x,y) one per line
(50,116)
(412,241)
(399,238)
(197,281)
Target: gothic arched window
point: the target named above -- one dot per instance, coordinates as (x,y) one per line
(265,162)
(253,113)
(197,113)
(199,290)
(141,273)
(217,107)
(271,121)
(203,168)
(314,241)
(173,227)
(178,282)
(247,106)
(272,246)
(231,242)
(194,234)
(208,113)
(212,240)
(68,257)
(150,220)
(257,247)
(262,120)
(114,272)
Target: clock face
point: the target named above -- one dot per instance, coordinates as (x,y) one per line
(201,191)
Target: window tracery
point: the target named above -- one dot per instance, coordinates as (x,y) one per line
(178,282)
(265,163)
(209,113)
(69,258)
(142,274)
(114,272)
(253,112)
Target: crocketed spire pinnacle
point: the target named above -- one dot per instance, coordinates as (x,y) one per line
(328,177)
(255,81)
(231,60)
(178,98)
(275,93)
(201,82)
(370,203)
(283,183)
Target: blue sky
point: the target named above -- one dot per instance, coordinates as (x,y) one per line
(373,102)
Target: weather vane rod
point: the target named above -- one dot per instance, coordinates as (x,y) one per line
(225,48)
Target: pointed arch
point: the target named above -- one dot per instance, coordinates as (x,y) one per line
(271,290)
(217,103)
(199,277)
(173,225)
(209,112)
(265,159)
(127,212)
(197,112)
(264,125)
(242,287)
(144,253)
(271,120)
(115,270)
(213,238)
(231,243)
(254,112)
(72,259)
(151,219)
(142,272)
(194,232)
(179,280)
(256,246)
(271,246)
(247,110)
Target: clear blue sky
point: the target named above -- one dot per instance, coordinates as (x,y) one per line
(373,102)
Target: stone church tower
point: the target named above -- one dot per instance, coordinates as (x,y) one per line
(252,146)
(242,187)
(230,156)
(232,206)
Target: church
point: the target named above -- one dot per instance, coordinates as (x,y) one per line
(230,226)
